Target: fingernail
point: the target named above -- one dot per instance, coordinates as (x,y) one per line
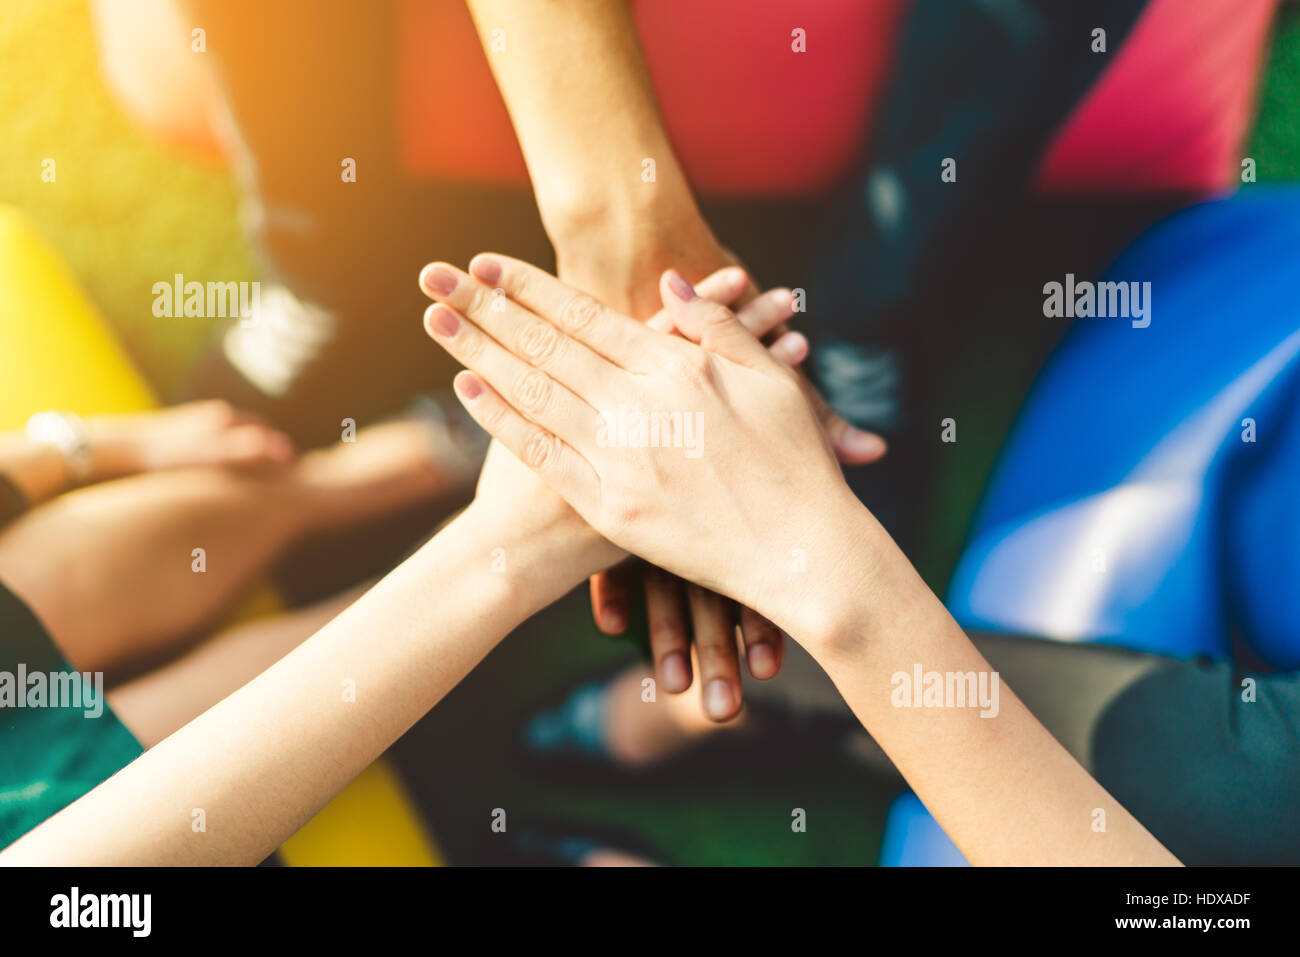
(719,703)
(761,660)
(443,322)
(613,619)
(675,674)
(439,281)
(682,289)
(468,385)
(858,442)
(487,269)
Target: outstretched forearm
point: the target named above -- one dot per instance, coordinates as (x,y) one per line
(259,764)
(586,132)
(1003,788)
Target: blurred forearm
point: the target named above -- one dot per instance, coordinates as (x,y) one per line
(261,762)
(585,133)
(147,64)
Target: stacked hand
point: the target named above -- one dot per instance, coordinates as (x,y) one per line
(550,369)
(620,265)
(679,614)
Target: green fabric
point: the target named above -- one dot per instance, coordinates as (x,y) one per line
(49,756)
(1208,762)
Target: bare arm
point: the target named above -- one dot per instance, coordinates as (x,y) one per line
(586,134)
(724,517)
(148,63)
(619,210)
(260,763)
(207,432)
(1002,787)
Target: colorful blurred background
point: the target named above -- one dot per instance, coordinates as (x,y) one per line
(127,211)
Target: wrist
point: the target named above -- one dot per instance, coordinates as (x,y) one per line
(537,559)
(580,214)
(114,447)
(110,459)
(67,433)
(620,257)
(838,580)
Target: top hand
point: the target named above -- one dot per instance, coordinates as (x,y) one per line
(618,260)
(621,267)
(677,614)
(589,399)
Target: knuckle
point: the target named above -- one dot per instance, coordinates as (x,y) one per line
(538,342)
(715,314)
(532,392)
(492,418)
(479,301)
(491,415)
(516,283)
(620,512)
(715,655)
(540,450)
(668,632)
(693,369)
(472,345)
(579,313)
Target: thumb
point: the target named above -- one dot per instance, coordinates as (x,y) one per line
(727,285)
(711,325)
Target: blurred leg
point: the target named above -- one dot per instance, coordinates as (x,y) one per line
(641,732)
(113,570)
(156,704)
